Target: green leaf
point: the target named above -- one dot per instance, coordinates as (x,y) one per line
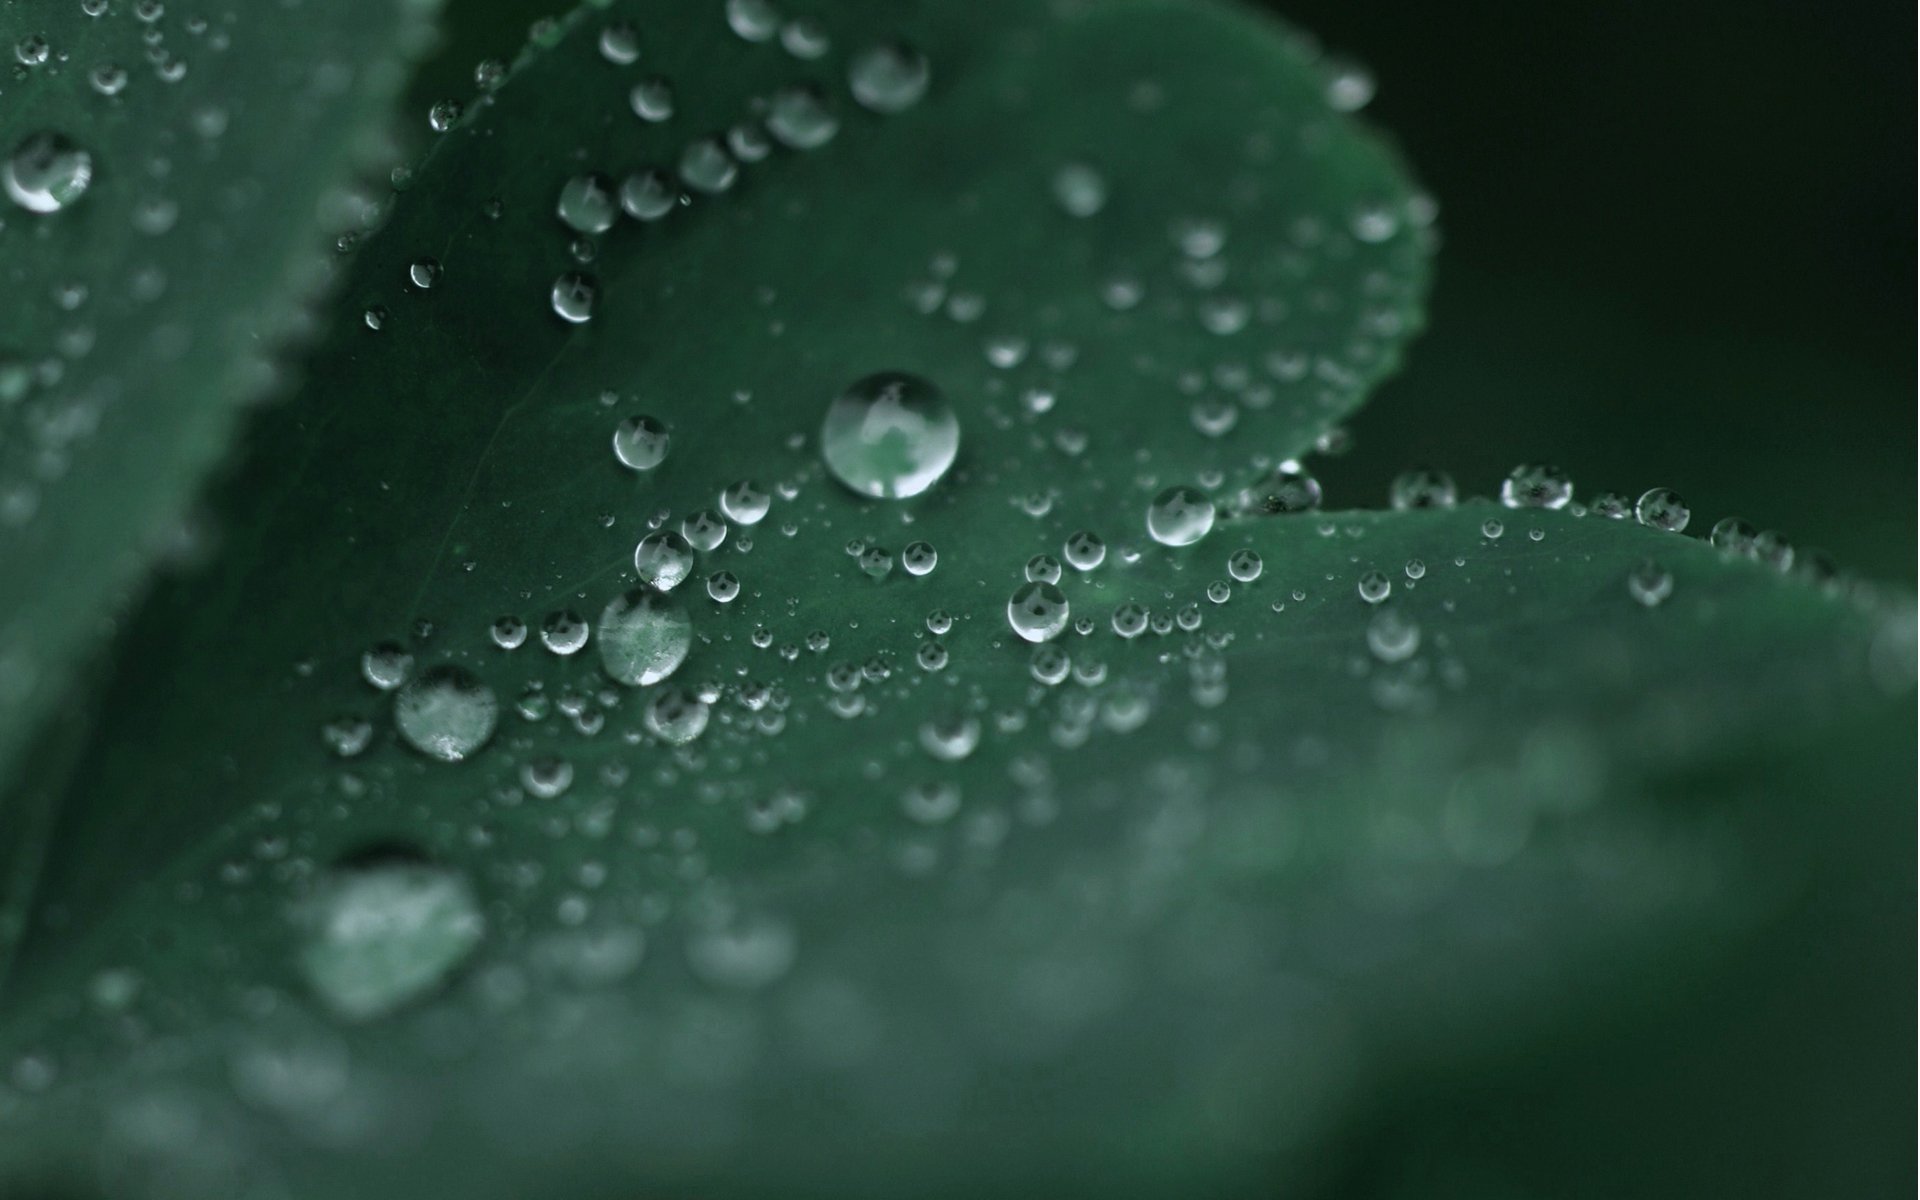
(1165,923)
(163,170)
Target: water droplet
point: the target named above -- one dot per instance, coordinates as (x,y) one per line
(1079,189)
(648,194)
(1773,549)
(347,737)
(950,738)
(1043,568)
(1734,536)
(1038,612)
(385,933)
(1219,591)
(1650,583)
(939,622)
(1049,665)
(1423,487)
(1492,528)
(919,558)
(1663,509)
(704,530)
(750,954)
(652,99)
(745,503)
(587,204)
(1084,550)
(663,559)
(800,118)
(890,435)
(386,666)
(1536,486)
(620,44)
(46,172)
(722,586)
(1179,516)
(547,777)
(753,20)
(644,636)
(1287,490)
(1244,565)
(1416,569)
(705,166)
(889,78)
(1374,586)
(564,632)
(509,633)
(444,115)
(876,561)
(1130,620)
(1611,505)
(1392,637)
(447,713)
(424,272)
(1349,87)
(572,297)
(641,443)
(676,716)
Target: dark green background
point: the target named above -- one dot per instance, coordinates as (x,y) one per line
(1679,250)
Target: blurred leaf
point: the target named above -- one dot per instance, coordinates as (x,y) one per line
(164,171)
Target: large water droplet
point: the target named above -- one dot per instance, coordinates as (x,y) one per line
(1179,516)
(890,435)
(644,636)
(447,713)
(47,172)
(1038,612)
(380,935)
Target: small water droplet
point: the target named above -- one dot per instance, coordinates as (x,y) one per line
(1079,189)
(641,443)
(573,296)
(587,203)
(1650,583)
(1244,565)
(1084,550)
(889,78)
(919,558)
(564,632)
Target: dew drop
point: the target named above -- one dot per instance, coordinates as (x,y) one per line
(1536,486)
(641,443)
(1374,586)
(652,99)
(1084,550)
(1663,509)
(1650,583)
(572,297)
(1038,612)
(1130,620)
(676,716)
(1179,516)
(704,530)
(447,713)
(919,558)
(648,194)
(1735,537)
(47,172)
(1244,565)
(620,44)
(663,558)
(386,666)
(706,166)
(722,586)
(889,78)
(1043,568)
(644,636)
(509,633)
(800,118)
(1079,189)
(381,935)
(564,632)
(890,435)
(1392,637)
(587,204)
(1423,487)
(745,502)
